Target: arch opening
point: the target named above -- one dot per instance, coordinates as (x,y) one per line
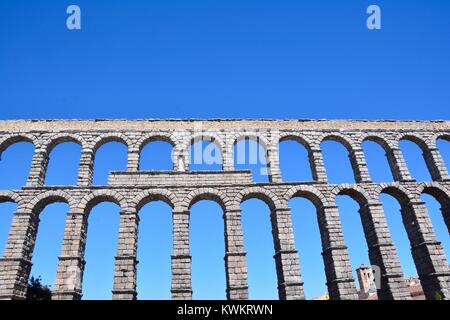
(437,211)
(309,245)
(205,155)
(250,153)
(294,161)
(108,157)
(101,248)
(154,251)
(64,160)
(207,250)
(156,155)
(444,201)
(377,161)
(48,241)
(259,245)
(349,205)
(392,204)
(15,163)
(337,161)
(413,154)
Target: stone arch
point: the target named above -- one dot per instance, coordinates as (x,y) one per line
(211,137)
(358,168)
(256,136)
(267,196)
(306,145)
(356,160)
(266,154)
(10,196)
(355,192)
(426,251)
(147,196)
(443,136)
(441,195)
(214,138)
(84,211)
(146,139)
(93,156)
(430,154)
(345,141)
(401,194)
(387,145)
(260,139)
(10,140)
(50,144)
(38,203)
(309,192)
(91,200)
(206,194)
(55,140)
(103,139)
(381,251)
(421,142)
(297,138)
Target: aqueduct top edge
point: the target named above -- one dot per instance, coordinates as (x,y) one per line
(218,124)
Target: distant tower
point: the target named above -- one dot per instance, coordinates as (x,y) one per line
(366,281)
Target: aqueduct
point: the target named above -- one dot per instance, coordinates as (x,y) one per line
(181,188)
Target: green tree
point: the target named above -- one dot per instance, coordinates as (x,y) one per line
(37,291)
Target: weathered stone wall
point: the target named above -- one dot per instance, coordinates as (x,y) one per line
(181,188)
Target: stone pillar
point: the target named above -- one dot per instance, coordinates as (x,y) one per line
(290,284)
(391,284)
(180,158)
(340,282)
(359,165)
(273,164)
(235,263)
(227,156)
(36,177)
(181,258)
(69,277)
(126,259)
(398,166)
(133,159)
(317,165)
(86,169)
(436,165)
(15,265)
(427,252)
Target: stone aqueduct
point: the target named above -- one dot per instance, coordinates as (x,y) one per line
(181,188)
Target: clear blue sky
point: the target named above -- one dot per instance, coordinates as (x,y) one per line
(208,59)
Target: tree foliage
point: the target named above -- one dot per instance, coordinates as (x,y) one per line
(37,291)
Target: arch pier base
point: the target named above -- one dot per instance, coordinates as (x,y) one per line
(181,258)
(235,263)
(340,282)
(290,284)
